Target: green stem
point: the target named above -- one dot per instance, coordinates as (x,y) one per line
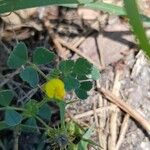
(42,122)
(16,138)
(37,69)
(11,107)
(42,102)
(31,127)
(2,145)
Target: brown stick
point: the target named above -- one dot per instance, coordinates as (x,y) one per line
(60,50)
(91,112)
(125,107)
(123,131)
(114,114)
(102,121)
(101,53)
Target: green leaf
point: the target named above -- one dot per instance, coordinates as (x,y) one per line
(31,122)
(28,128)
(106,7)
(83,144)
(3,125)
(12,117)
(45,112)
(86,85)
(82,67)
(95,73)
(6,97)
(110,8)
(72,146)
(85,1)
(31,108)
(30,75)
(89,141)
(42,56)
(55,73)
(74,129)
(135,21)
(12,5)
(81,94)
(66,66)
(82,77)
(18,56)
(70,83)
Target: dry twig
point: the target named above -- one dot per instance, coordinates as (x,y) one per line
(114,115)
(123,131)
(60,50)
(9,77)
(126,107)
(102,121)
(91,112)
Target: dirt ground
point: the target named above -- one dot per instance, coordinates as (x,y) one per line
(108,41)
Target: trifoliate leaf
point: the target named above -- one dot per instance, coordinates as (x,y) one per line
(31,108)
(55,73)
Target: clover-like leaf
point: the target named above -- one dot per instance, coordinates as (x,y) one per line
(30,125)
(86,85)
(18,56)
(95,73)
(82,67)
(12,117)
(70,83)
(42,56)
(6,97)
(55,73)
(30,75)
(82,94)
(82,77)
(3,125)
(66,66)
(31,122)
(31,108)
(45,112)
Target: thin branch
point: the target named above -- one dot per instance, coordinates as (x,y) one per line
(126,107)
(91,112)
(124,128)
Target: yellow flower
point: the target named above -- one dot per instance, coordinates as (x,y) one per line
(55,89)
